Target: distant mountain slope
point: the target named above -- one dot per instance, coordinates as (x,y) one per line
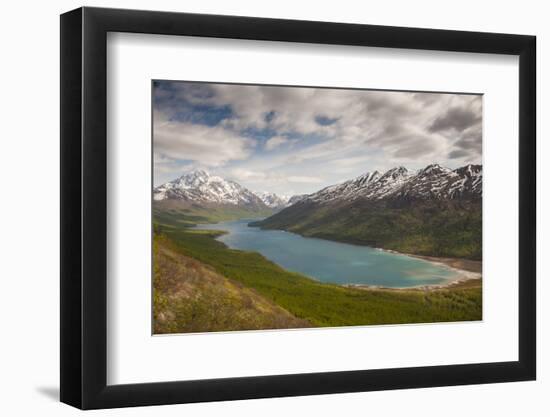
(434,211)
(295,198)
(273,200)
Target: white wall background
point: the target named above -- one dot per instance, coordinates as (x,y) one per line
(29,238)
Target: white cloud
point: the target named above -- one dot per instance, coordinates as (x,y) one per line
(275,142)
(240,174)
(378,117)
(208,146)
(372,130)
(305,179)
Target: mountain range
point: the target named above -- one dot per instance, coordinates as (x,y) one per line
(432,211)
(274,201)
(200,187)
(431,182)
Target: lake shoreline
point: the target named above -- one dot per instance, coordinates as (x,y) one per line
(463,264)
(466,269)
(463,282)
(466,272)
(467,265)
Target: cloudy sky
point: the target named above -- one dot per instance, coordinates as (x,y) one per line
(292,140)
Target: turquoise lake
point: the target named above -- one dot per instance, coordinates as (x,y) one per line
(333,262)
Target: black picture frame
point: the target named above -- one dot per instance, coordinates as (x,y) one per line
(84,207)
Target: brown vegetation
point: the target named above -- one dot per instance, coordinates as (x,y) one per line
(190,296)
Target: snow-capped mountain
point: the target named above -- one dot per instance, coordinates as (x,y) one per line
(273,200)
(432,182)
(201,187)
(438,182)
(434,211)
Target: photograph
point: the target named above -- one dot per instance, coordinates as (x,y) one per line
(285,207)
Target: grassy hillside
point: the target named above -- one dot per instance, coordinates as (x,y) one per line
(191,297)
(449,228)
(317,303)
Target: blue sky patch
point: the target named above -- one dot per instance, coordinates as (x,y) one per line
(325,121)
(294,140)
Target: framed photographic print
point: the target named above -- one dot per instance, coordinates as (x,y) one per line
(257,208)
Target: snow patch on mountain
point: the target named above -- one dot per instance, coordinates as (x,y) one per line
(200,186)
(431,182)
(273,200)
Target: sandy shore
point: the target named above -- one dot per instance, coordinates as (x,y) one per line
(455,263)
(455,284)
(468,274)
(461,264)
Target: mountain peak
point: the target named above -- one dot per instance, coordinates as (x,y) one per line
(273,200)
(197,173)
(396,172)
(433,181)
(367,177)
(434,169)
(200,172)
(201,187)
(469,170)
